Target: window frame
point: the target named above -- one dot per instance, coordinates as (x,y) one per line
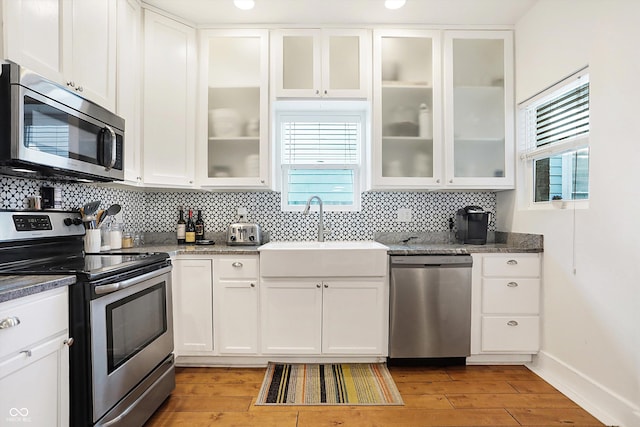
(316,109)
(529,153)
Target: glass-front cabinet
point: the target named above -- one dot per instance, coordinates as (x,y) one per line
(478,109)
(327,63)
(233,125)
(407,85)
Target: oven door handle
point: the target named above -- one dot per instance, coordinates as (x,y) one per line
(113,287)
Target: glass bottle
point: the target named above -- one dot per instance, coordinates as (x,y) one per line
(181,227)
(190,229)
(199,226)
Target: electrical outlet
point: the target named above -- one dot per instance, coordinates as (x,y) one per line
(404,215)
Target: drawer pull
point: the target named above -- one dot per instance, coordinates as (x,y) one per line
(253,285)
(68,342)
(512,262)
(27,352)
(9,322)
(512,323)
(512,284)
(237,264)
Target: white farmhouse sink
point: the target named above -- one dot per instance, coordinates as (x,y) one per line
(323,259)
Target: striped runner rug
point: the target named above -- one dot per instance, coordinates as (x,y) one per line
(328,384)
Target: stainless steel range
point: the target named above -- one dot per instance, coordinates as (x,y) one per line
(121,362)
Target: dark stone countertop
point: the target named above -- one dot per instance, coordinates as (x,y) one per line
(12,287)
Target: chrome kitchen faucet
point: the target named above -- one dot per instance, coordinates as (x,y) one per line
(320,221)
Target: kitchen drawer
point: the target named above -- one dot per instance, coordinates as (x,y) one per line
(511,265)
(520,334)
(514,296)
(41,315)
(236,267)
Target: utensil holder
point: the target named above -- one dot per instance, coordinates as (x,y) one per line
(92,241)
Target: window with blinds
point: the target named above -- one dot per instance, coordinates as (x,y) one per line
(320,154)
(556,140)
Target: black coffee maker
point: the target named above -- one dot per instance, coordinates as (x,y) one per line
(471,223)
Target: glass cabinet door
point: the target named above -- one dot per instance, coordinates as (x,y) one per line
(236,107)
(406,109)
(312,63)
(479,112)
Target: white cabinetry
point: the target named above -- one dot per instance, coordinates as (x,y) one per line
(312,63)
(34,359)
(313,316)
(443,115)
(506,305)
(479,109)
(408,144)
(233,137)
(193,306)
(169,102)
(236,294)
(72,42)
(129,80)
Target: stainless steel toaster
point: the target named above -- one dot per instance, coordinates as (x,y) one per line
(244,233)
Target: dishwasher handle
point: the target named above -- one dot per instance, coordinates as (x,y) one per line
(431,261)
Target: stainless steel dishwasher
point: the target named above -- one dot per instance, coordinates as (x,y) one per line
(430,311)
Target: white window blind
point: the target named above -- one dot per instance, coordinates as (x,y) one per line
(320,142)
(564,117)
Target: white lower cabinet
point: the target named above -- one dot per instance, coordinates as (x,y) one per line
(505,307)
(192,286)
(236,294)
(35,351)
(314,316)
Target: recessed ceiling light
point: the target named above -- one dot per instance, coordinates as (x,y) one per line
(394,4)
(244,4)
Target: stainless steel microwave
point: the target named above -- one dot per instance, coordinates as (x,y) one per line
(48,131)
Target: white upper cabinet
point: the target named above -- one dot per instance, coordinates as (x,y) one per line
(169,102)
(129,81)
(479,109)
(233,137)
(72,42)
(313,63)
(407,149)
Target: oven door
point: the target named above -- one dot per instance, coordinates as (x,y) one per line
(131,334)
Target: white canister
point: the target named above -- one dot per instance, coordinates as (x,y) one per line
(92,241)
(425,122)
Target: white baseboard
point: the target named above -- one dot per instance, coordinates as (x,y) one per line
(607,406)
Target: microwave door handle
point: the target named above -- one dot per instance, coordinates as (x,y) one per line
(112,148)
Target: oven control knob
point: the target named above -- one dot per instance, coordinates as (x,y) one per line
(68,221)
(232,238)
(74,221)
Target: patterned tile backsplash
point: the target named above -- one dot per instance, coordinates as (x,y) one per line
(157,211)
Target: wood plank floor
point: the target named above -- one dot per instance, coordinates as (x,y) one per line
(433,396)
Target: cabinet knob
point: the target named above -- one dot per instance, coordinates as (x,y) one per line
(325,92)
(437,181)
(512,284)
(318,286)
(512,323)
(253,285)
(69,342)
(317,92)
(9,322)
(236,264)
(79,89)
(71,84)
(27,352)
(326,286)
(262,181)
(512,262)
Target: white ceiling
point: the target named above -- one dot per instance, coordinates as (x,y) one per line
(307,12)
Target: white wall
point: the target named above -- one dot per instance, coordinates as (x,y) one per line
(591,318)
